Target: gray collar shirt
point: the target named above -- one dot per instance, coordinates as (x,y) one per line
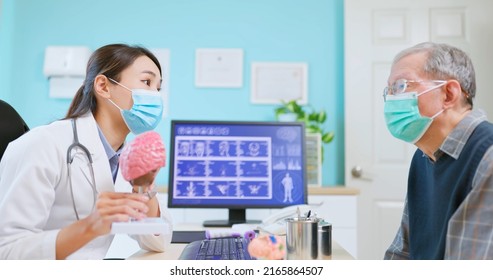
(113,156)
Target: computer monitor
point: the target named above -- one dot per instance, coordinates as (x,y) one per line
(236,165)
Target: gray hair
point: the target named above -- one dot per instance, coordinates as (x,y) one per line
(446,62)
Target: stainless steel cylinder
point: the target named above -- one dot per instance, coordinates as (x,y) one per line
(324,241)
(308,239)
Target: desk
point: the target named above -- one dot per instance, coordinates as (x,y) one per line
(175,249)
(339,207)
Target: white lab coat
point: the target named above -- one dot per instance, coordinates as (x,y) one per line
(35,200)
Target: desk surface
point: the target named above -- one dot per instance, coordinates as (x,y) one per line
(174,251)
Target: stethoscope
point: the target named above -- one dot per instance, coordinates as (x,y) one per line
(70,159)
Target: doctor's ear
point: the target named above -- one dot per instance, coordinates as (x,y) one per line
(102,85)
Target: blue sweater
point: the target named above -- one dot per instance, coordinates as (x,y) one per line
(436,190)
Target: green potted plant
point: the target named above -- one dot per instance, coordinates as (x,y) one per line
(314,120)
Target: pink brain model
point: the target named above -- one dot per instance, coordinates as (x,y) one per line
(142,158)
(268,247)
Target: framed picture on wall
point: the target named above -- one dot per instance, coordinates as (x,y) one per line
(273,82)
(219,68)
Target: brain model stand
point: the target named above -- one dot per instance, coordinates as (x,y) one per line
(141,160)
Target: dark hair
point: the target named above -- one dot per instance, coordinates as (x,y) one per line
(109,60)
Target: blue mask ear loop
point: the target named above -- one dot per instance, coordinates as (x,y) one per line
(121,86)
(70,159)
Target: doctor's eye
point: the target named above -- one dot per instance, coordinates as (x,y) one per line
(147,82)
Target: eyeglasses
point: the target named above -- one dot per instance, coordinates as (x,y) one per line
(400,86)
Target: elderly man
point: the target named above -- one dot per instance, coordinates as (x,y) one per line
(429,103)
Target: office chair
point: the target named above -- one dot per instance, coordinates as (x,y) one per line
(12,126)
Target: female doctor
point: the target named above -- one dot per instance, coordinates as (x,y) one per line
(60,189)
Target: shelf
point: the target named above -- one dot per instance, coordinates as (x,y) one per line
(333,190)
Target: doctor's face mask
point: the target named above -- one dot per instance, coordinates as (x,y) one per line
(146,112)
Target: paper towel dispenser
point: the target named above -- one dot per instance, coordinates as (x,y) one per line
(65,67)
(66,61)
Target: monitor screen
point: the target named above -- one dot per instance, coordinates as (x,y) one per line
(236,165)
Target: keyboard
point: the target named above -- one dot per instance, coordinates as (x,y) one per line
(229,248)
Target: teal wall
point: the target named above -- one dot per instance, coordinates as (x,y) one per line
(267,30)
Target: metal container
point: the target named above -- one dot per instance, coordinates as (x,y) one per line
(308,238)
(324,240)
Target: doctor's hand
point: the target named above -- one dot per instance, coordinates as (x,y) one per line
(110,207)
(153,203)
(116,207)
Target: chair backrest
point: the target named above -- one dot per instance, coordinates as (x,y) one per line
(12,126)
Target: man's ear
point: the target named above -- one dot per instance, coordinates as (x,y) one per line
(101,86)
(453,93)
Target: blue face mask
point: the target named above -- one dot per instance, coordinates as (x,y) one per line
(403,118)
(147,111)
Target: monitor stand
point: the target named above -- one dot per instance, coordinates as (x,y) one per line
(236,216)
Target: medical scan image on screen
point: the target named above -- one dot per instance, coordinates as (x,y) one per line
(236,165)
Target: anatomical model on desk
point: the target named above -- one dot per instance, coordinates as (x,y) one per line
(140,161)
